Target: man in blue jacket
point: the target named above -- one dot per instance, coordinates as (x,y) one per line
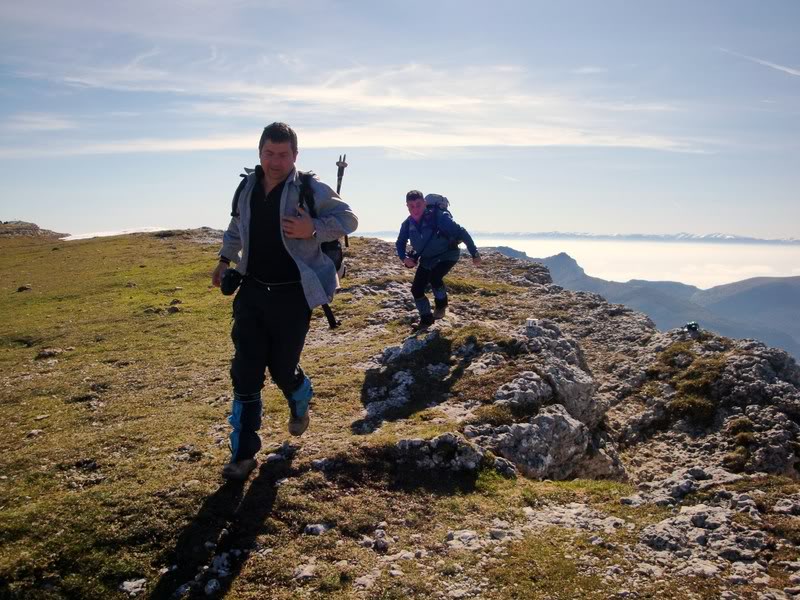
(275,244)
(434,237)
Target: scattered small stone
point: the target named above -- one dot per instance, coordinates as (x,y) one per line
(367,581)
(787,506)
(316,529)
(24,288)
(273,458)
(48,353)
(34,433)
(321,464)
(133,587)
(86,464)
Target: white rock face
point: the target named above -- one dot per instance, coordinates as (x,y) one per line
(547,447)
(705,531)
(527,391)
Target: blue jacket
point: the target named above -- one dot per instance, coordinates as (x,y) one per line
(435,238)
(334,220)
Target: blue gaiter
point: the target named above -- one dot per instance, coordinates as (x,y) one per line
(246,420)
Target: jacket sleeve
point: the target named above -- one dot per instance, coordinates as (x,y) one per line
(402,239)
(454,231)
(232,239)
(334,217)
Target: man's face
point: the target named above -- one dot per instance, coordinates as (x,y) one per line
(416,208)
(277,160)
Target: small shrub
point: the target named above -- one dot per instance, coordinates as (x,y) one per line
(670,355)
(785,527)
(735,461)
(696,410)
(493,414)
(740,424)
(745,438)
(450,569)
(334,582)
(700,377)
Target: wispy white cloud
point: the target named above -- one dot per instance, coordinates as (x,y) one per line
(392,136)
(414,105)
(634,106)
(511,179)
(589,70)
(766,63)
(38,122)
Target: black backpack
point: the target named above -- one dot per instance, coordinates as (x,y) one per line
(332,250)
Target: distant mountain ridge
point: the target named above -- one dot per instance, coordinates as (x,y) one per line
(763,308)
(711,238)
(716,238)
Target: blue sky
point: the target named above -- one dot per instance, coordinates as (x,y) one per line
(601,117)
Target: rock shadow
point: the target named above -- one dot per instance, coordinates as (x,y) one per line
(379,467)
(416,376)
(242,514)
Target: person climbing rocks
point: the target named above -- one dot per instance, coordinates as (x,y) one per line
(275,244)
(434,237)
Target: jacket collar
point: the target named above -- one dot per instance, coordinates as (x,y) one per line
(292,177)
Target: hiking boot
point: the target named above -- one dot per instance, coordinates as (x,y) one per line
(239,470)
(425,321)
(299,424)
(439,312)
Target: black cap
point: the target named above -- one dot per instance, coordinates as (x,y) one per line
(414,195)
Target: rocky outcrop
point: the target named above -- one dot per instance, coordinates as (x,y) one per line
(24,229)
(601,393)
(548,447)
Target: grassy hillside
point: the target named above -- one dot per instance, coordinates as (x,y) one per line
(113,394)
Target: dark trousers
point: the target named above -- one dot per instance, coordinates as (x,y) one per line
(269,331)
(434,277)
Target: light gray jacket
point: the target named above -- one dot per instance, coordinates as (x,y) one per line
(334,220)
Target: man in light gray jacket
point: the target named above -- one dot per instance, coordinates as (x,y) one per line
(275,243)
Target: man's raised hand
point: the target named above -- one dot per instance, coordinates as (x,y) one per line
(300,227)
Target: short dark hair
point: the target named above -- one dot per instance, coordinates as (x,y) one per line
(414,195)
(278,132)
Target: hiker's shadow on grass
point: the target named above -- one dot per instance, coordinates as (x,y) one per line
(241,514)
(409,383)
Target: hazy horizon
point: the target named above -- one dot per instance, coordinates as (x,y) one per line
(702,265)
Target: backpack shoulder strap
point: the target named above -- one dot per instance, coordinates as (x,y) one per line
(307,193)
(236,194)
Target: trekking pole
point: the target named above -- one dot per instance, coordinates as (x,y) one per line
(342,164)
